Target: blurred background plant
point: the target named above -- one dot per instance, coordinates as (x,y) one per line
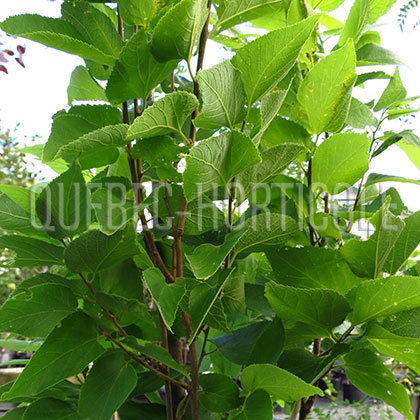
(14,170)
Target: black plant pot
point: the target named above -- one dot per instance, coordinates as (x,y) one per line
(351,393)
(415,406)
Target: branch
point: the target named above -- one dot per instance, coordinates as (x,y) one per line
(142,362)
(200,61)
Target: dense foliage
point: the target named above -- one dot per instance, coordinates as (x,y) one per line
(195,236)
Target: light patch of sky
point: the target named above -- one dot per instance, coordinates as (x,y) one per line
(31,96)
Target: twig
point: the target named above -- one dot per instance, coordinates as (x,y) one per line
(168,387)
(309,179)
(295,412)
(183,408)
(203,350)
(142,362)
(229,225)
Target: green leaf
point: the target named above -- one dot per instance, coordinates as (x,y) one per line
(23,197)
(177,32)
(373,299)
(256,301)
(267,60)
(202,298)
(232,12)
(65,353)
(136,71)
(372,54)
(367,258)
(202,214)
(135,13)
(323,308)
(127,311)
(269,107)
(122,279)
(214,162)
(20,345)
(258,405)
(94,26)
(78,121)
(37,310)
(308,366)
(112,136)
(55,33)
(216,318)
(261,342)
(62,205)
(51,409)
(166,296)
(325,5)
(111,377)
(112,208)
(369,37)
(266,231)
(394,92)
(394,114)
(356,22)
(362,78)
(15,414)
(325,93)
(396,206)
(83,87)
(405,350)
(223,97)
(158,151)
(155,352)
(303,333)
(374,178)
(273,161)
(360,116)
(282,131)
(323,268)
(59,166)
(340,161)
(326,225)
(404,324)
(277,382)
(148,382)
(14,217)
(233,297)
(31,252)
(167,115)
(206,259)
(366,371)
(132,410)
(95,251)
(378,8)
(75,284)
(405,245)
(219,393)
